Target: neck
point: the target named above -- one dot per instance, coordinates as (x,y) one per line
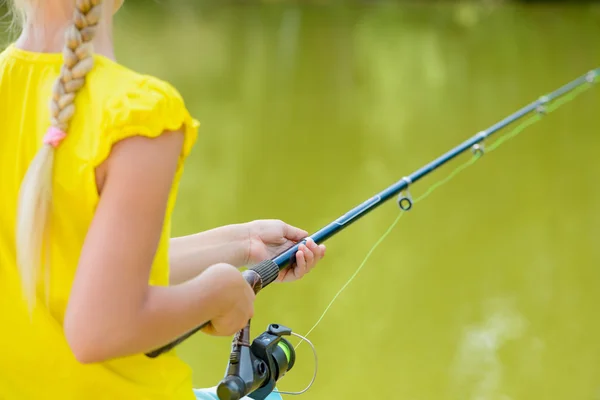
(44,32)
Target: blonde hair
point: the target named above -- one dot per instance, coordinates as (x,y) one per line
(36,189)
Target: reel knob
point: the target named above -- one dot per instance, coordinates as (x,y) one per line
(231,388)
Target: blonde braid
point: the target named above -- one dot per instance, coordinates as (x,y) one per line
(17,9)
(36,189)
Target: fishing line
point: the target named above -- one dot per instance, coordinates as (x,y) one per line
(478,153)
(255,368)
(362,264)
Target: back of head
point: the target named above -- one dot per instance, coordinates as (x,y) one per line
(36,189)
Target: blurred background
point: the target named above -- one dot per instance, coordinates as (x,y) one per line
(487,290)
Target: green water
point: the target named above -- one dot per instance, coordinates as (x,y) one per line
(486,290)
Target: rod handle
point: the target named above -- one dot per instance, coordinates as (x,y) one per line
(258,277)
(261,275)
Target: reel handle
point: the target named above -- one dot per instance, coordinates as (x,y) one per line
(231,388)
(258,277)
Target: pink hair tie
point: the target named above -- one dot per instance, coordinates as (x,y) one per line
(54,136)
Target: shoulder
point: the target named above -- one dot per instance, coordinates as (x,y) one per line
(122,81)
(134,104)
(123,91)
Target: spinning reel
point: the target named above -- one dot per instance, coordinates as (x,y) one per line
(254,369)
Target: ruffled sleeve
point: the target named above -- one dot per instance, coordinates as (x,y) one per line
(148,108)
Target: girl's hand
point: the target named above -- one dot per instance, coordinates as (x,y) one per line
(267,238)
(234,297)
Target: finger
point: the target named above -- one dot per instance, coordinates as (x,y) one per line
(300,268)
(314,249)
(293,233)
(319,252)
(308,256)
(282,274)
(322,249)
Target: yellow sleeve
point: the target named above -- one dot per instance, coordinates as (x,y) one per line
(148,108)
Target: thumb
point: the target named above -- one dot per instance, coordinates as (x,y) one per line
(293,233)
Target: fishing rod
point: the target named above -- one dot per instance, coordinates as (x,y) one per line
(260,364)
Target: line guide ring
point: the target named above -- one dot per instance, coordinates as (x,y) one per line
(405,201)
(478,149)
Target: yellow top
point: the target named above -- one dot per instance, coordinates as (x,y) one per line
(35,360)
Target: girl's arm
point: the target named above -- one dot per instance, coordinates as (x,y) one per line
(112,311)
(191,255)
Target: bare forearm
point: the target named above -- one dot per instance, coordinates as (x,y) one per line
(169,312)
(191,255)
(165,314)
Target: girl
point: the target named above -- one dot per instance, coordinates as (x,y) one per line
(89,277)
